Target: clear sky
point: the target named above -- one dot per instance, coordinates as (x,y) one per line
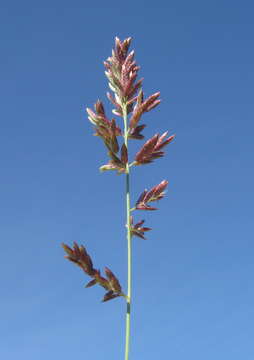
(193,286)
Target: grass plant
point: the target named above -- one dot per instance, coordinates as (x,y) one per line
(129,104)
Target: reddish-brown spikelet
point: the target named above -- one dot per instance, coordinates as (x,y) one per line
(155,194)
(100,108)
(141,205)
(101,280)
(151,102)
(91,283)
(136,132)
(69,251)
(151,149)
(114,164)
(102,124)
(118,111)
(160,144)
(109,296)
(145,155)
(143,106)
(114,283)
(113,138)
(124,154)
(121,48)
(138,230)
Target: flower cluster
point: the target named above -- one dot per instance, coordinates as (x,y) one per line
(137,229)
(108,131)
(129,104)
(128,96)
(80,257)
(154,194)
(122,72)
(151,150)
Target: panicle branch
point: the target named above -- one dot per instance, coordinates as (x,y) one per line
(79,256)
(151,150)
(154,194)
(138,230)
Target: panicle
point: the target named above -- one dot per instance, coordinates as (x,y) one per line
(80,257)
(122,72)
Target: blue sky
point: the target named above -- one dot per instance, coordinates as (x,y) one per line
(193,278)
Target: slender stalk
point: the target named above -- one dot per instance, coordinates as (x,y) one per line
(128,310)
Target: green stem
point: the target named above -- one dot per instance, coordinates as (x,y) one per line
(128,310)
